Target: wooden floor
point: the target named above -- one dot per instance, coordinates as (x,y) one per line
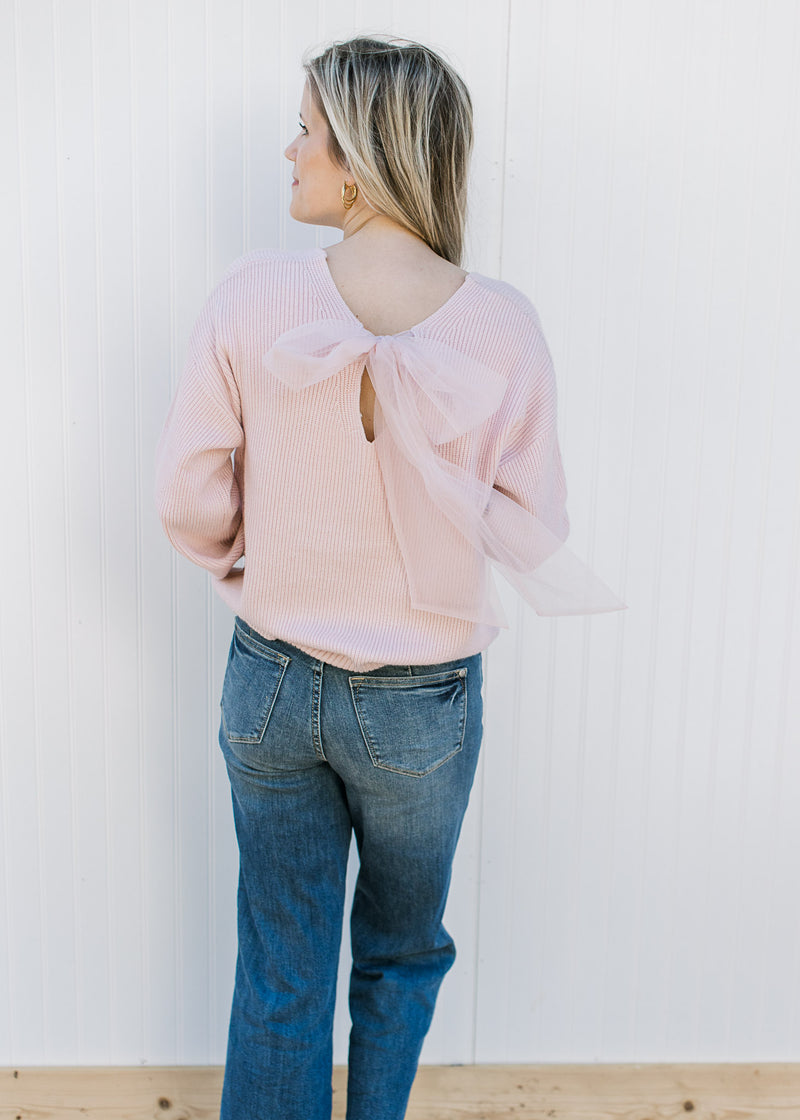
(561,1092)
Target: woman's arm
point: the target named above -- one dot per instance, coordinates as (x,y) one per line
(199,488)
(534,478)
(530,470)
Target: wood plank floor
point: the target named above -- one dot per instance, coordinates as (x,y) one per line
(768,1091)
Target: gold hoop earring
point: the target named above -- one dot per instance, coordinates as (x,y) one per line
(348,202)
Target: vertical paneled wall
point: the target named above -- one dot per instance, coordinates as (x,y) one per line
(625,889)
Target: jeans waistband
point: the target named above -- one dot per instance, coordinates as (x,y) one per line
(301,655)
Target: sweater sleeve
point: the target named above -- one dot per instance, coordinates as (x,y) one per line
(199,459)
(530,469)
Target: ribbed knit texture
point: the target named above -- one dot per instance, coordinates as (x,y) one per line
(303,489)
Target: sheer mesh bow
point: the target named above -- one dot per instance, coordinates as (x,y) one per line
(428,393)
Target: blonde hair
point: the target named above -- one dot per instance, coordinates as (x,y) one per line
(400,121)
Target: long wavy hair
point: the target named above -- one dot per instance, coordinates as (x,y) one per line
(400,121)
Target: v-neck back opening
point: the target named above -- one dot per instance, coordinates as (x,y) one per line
(319,255)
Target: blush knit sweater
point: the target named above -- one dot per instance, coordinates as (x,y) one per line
(276,490)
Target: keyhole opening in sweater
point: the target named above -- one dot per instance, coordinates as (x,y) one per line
(367,406)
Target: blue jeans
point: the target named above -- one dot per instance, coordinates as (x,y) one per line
(314,752)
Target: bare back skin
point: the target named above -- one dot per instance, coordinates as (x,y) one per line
(390,293)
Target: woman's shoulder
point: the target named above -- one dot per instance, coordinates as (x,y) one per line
(502,320)
(278,275)
(505,297)
(260,258)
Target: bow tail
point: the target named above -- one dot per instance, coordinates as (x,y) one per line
(462,588)
(545,572)
(441,509)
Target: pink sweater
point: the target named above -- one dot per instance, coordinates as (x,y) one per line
(364,553)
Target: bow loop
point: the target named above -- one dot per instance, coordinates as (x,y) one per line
(315,351)
(417,381)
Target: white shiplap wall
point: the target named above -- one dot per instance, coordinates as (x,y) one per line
(625,889)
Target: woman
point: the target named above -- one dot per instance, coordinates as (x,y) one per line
(378,425)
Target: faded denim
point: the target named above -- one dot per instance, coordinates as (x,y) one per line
(315,752)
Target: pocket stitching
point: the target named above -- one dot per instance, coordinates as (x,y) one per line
(413,681)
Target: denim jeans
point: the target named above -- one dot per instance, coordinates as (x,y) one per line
(313,753)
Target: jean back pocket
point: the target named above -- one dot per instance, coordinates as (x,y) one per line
(252,678)
(412,725)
